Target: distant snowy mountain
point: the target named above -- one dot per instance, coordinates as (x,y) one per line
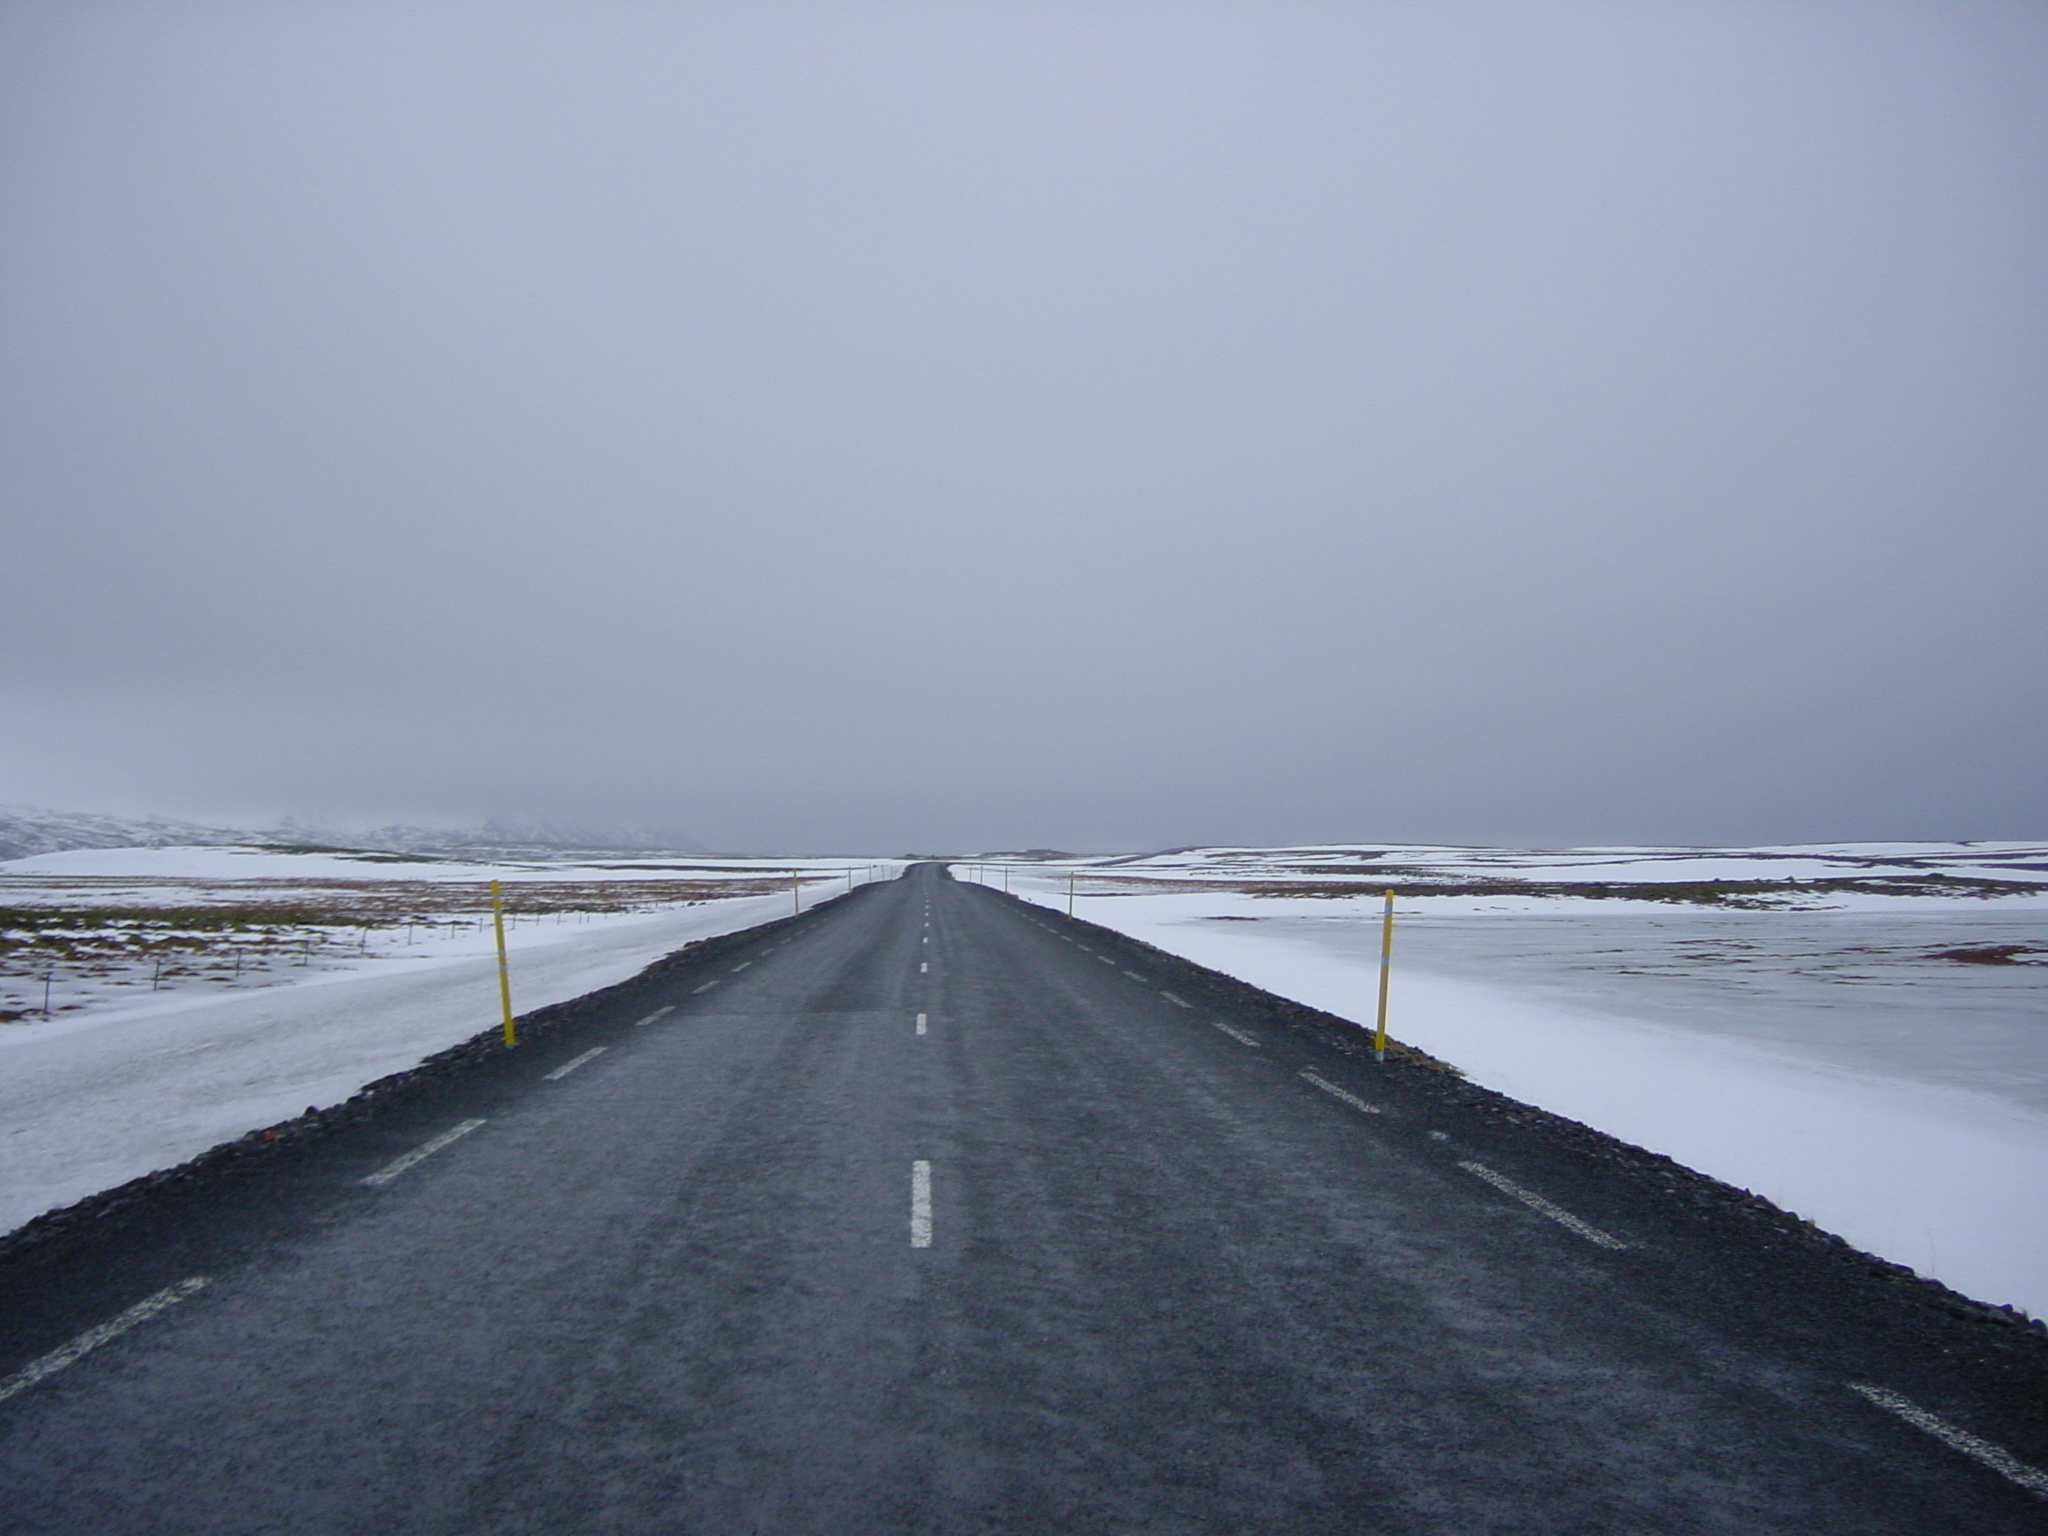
(31,829)
(508,835)
(26,830)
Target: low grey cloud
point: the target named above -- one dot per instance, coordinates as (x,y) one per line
(886,426)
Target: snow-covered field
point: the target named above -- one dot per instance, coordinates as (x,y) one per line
(1856,1032)
(1859,1033)
(383,964)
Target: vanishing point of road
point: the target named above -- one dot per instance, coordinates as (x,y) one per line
(934,1211)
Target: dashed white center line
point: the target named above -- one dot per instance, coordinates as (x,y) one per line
(1537,1203)
(1236,1034)
(920,1205)
(705,988)
(740,967)
(391,1171)
(1326,1085)
(1104,959)
(574,1062)
(923,966)
(90,1340)
(1996,1457)
(659,1013)
(1177,1001)
(1134,975)
(920,1023)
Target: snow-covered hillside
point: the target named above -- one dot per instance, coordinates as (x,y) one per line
(26,830)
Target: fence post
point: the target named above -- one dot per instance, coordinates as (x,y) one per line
(1379,1038)
(504,970)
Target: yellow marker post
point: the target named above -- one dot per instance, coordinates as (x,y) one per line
(504,970)
(1070,893)
(1379,1037)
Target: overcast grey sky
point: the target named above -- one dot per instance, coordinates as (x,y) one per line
(871,426)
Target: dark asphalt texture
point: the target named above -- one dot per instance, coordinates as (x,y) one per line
(1172,1286)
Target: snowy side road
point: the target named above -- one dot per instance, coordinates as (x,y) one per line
(1822,1056)
(90,1103)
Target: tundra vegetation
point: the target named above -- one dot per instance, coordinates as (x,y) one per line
(72,945)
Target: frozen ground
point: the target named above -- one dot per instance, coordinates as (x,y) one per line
(86,930)
(125,1084)
(1811,1045)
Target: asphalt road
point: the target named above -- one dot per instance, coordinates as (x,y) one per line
(936,1212)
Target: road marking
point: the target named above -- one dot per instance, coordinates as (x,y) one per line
(90,1340)
(1996,1457)
(657,1014)
(1327,1086)
(573,1063)
(926,939)
(1179,1001)
(391,1171)
(1103,958)
(920,1205)
(920,1023)
(923,966)
(1236,1034)
(1536,1202)
(740,967)
(1134,975)
(705,988)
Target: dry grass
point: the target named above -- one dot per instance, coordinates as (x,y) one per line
(1762,894)
(76,941)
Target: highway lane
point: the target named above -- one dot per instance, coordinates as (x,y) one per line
(937,1212)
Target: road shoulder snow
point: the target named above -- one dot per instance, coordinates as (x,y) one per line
(98,1102)
(1940,1179)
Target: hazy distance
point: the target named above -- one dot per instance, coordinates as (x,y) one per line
(868,427)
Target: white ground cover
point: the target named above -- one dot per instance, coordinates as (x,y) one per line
(1816,1053)
(92,929)
(92,1100)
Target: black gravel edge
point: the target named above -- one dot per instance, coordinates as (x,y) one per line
(53,1234)
(2000,1329)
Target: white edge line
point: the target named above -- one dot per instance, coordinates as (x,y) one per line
(1537,1203)
(90,1340)
(1338,1093)
(391,1171)
(1996,1457)
(920,1205)
(574,1062)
